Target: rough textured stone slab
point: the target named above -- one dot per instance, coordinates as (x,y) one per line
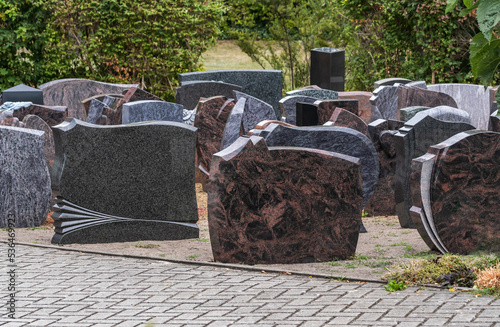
(414,96)
(469,97)
(37,123)
(188,95)
(71,92)
(389,82)
(122,176)
(382,202)
(335,139)
(134,112)
(95,111)
(262,84)
(409,112)
(8,119)
(211,118)
(51,115)
(344,118)
(24,178)
(385,103)
(255,111)
(283,205)
(364,105)
(288,106)
(326,108)
(233,128)
(412,141)
(465,206)
(320,94)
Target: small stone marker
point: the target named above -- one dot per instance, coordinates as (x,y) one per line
(24,178)
(134,112)
(304,204)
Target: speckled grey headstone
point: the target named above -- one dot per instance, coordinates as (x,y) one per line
(385,103)
(319,94)
(138,111)
(264,84)
(288,106)
(335,139)
(443,113)
(24,178)
(389,82)
(412,141)
(472,98)
(95,111)
(189,94)
(233,124)
(108,100)
(72,91)
(255,111)
(420,84)
(410,112)
(124,182)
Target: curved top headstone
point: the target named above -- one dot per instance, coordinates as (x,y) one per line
(320,94)
(255,111)
(443,113)
(189,95)
(288,106)
(146,110)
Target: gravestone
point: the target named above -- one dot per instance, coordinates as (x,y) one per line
(210,120)
(188,95)
(472,98)
(263,84)
(141,95)
(288,106)
(412,141)
(306,114)
(255,111)
(390,81)
(134,112)
(124,183)
(327,107)
(233,128)
(8,119)
(414,96)
(283,205)
(385,103)
(72,91)
(111,101)
(263,124)
(334,139)
(382,133)
(495,122)
(37,123)
(420,84)
(320,94)
(24,178)
(95,111)
(409,112)
(463,207)
(344,118)
(364,105)
(328,68)
(52,115)
(22,93)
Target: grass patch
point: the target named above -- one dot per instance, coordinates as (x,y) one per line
(392,234)
(162,255)
(394,286)
(334,263)
(193,256)
(147,246)
(350,265)
(407,246)
(203,239)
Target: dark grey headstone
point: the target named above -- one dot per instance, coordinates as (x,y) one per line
(24,178)
(263,84)
(412,141)
(134,112)
(335,139)
(255,111)
(328,68)
(409,112)
(232,130)
(188,95)
(307,114)
(124,183)
(385,103)
(319,94)
(95,111)
(288,106)
(390,81)
(22,93)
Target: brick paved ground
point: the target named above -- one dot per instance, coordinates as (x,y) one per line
(59,288)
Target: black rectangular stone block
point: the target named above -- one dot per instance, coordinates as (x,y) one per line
(307,114)
(328,68)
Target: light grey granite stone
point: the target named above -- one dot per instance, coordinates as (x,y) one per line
(263,84)
(255,111)
(288,106)
(95,111)
(385,103)
(420,84)
(232,129)
(410,112)
(124,182)
(37,123)
(319,94)
(389,82)
(147,110)
(24,178)
(188,95)
(109,101)
(443,113)
(472,98)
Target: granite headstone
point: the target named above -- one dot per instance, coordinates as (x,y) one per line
(255,111)
(288,106)
(146,110)
(364,105)
(233,128)
(188,95)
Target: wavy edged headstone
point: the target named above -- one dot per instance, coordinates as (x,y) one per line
(146,110)
(474,99)
(327,107)
(188,95)
(283,205)
(382,134)
(334,139)
(255,111)
(24,178)
(51,115)
(464,192)
(211,117)
(364,105)
(320,94)
(288,106)
(409,112)
(124,183)
(415,96)
(72,91)
(344,118)
(264,84)
(413,140)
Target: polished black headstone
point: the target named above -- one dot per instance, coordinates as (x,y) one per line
(306,114)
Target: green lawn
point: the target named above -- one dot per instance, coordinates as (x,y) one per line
(227,55)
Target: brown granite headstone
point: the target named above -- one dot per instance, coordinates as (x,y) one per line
(52,115)
(327,107)
(364,105)
(415,96)
(344,118)
(283,205)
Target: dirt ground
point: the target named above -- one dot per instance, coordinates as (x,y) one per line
(385,243)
